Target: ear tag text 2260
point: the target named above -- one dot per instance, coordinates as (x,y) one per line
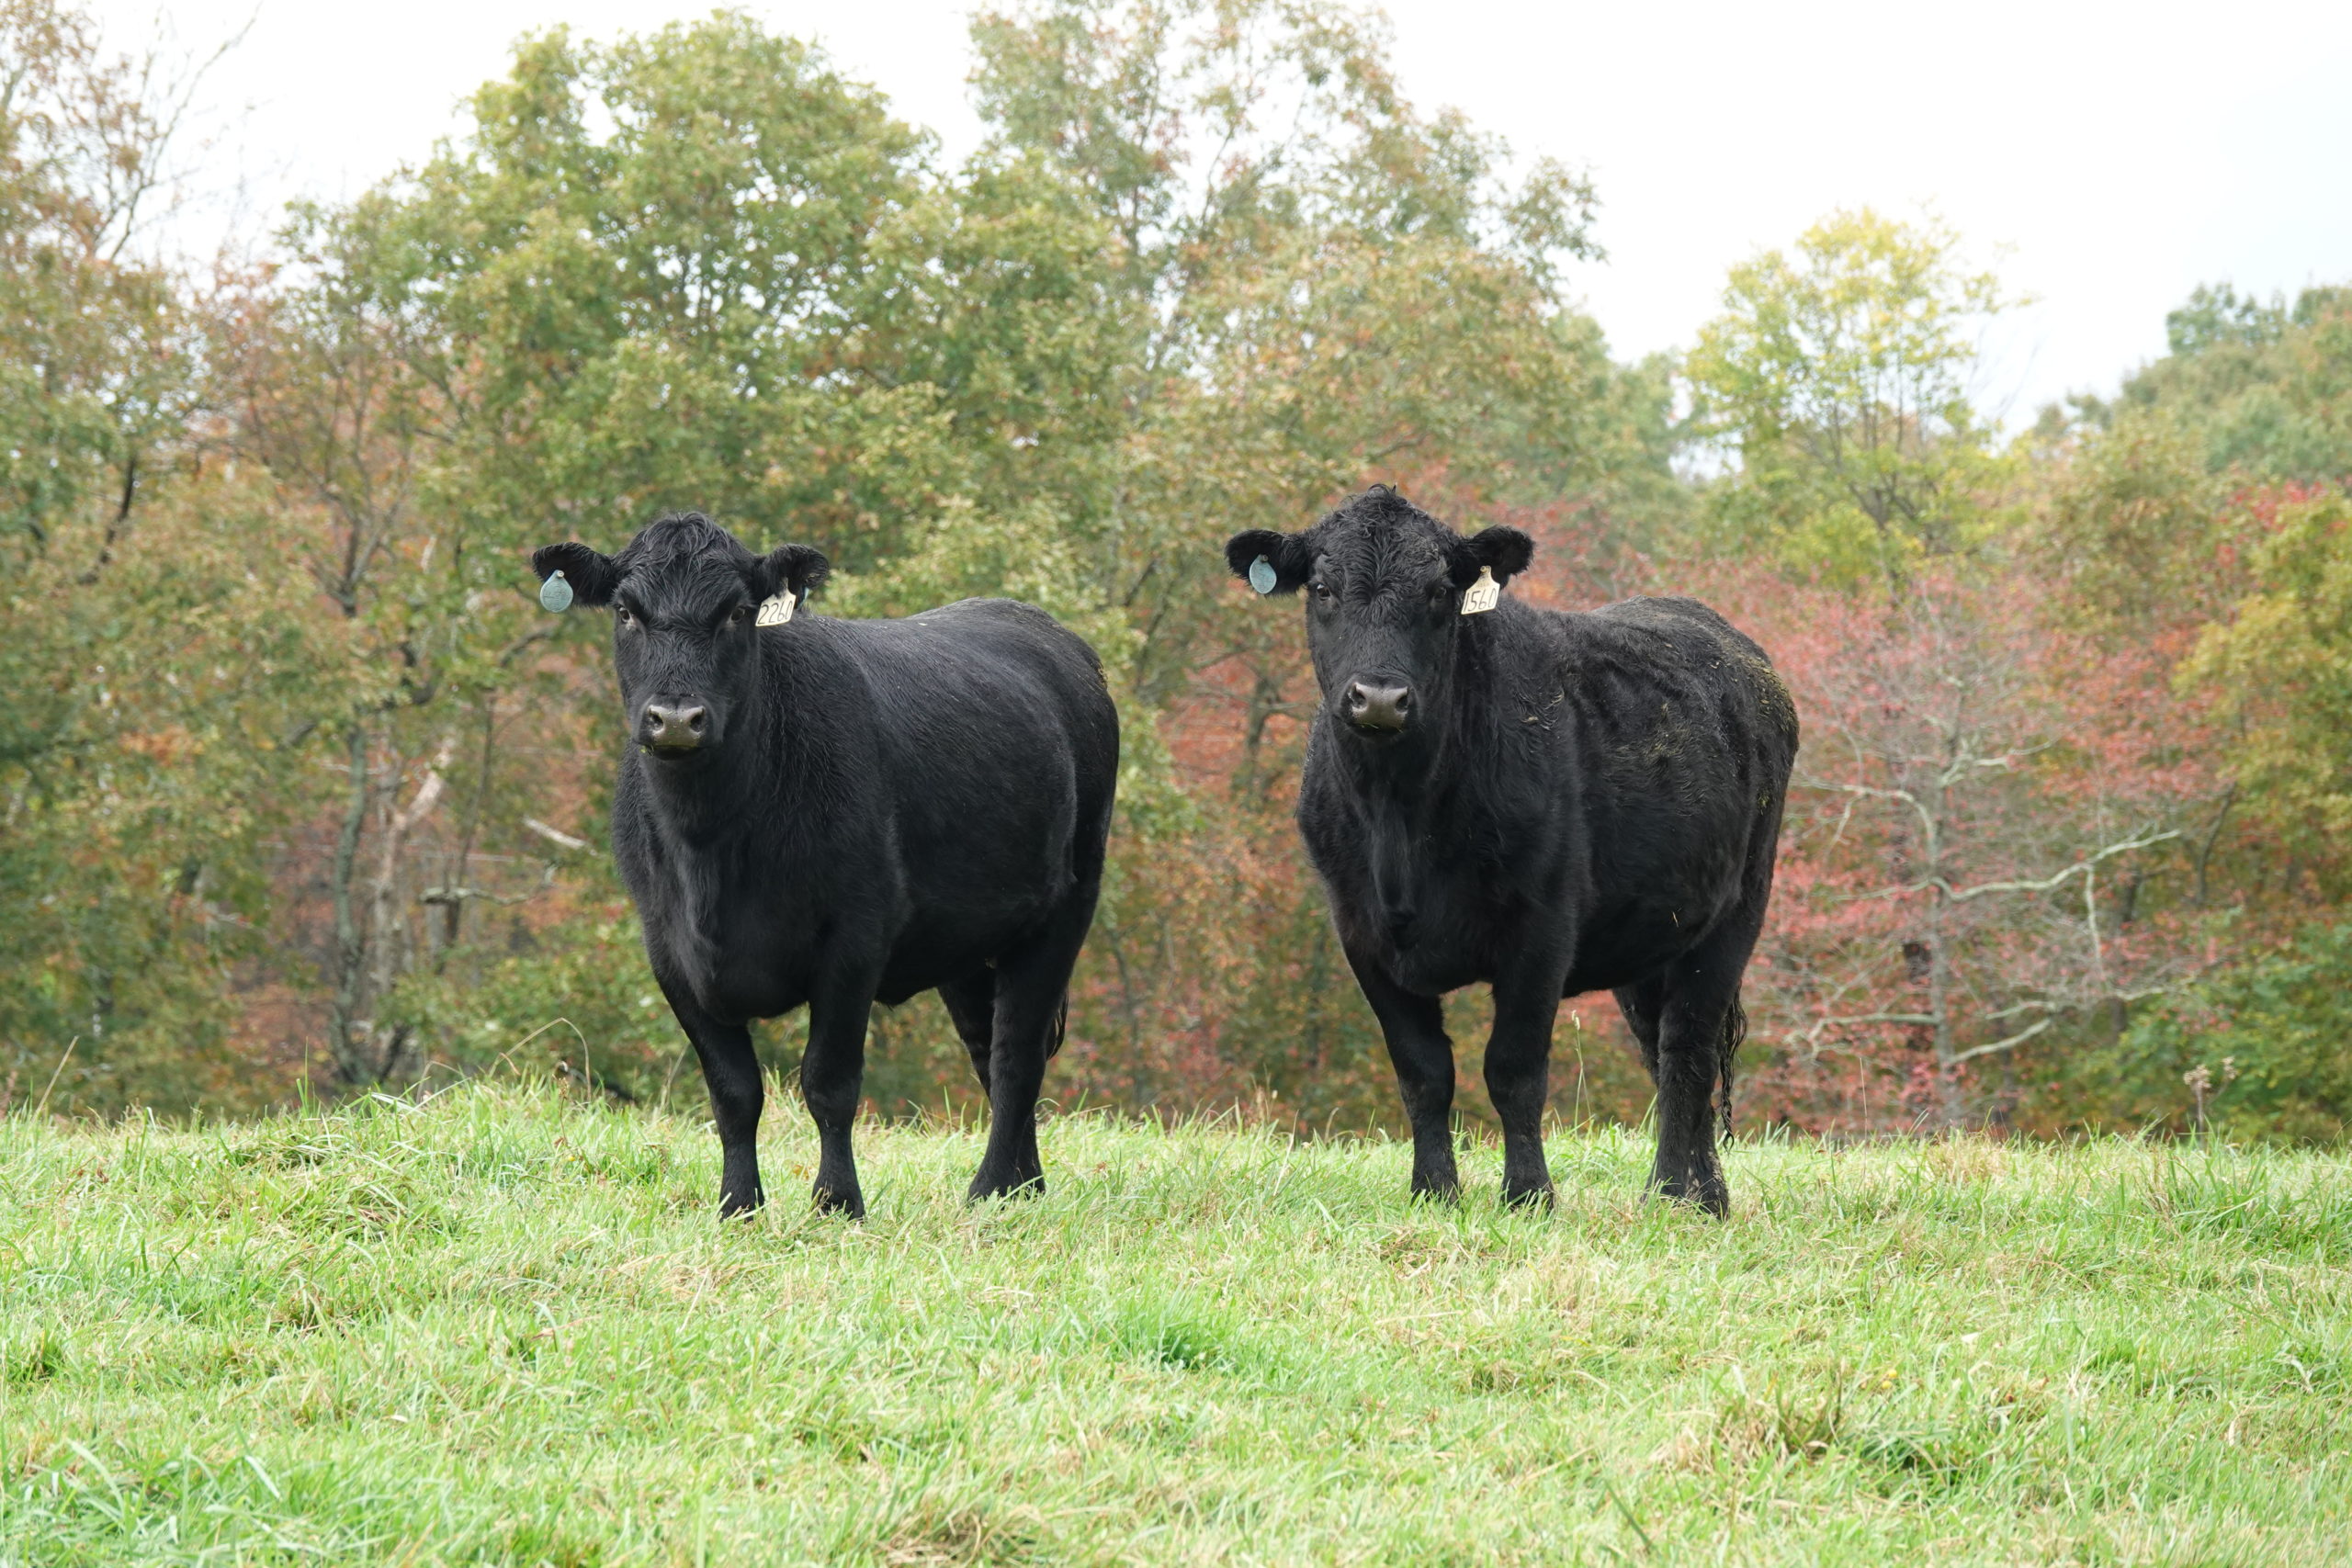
(555,594)
(1482,595)
(1262,576)
(776,611)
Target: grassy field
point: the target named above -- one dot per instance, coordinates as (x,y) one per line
(504,1327)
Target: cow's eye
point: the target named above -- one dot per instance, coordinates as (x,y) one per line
(738,614)
(620,612)
(1320,589)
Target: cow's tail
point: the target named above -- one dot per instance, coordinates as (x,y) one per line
(1061,1027)
(1735,1031)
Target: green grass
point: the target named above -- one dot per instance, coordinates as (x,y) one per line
(504,1327)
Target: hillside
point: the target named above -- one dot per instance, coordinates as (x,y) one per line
(504,1327)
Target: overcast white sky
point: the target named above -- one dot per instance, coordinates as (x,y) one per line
(2106,157)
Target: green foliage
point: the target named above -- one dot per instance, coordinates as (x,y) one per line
(1840,377)
(149,727)
(659,267)
(2193,520)
(152,646)
(2264,389)
(503,1327)
(93,372)
(578,999)
(2268,1035)
(2281,663)
(1321,287)
(2141,531)
(2147,508)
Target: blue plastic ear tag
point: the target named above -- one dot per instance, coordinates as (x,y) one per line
(555,594)
(1261,575)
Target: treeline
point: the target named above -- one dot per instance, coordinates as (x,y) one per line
(296,781)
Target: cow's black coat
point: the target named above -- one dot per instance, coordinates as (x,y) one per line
(833,811)
(1551,803)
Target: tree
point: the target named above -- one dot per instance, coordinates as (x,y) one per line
(1975,824)
(2255,1050)
(151,649)
(2264,388)
(1325,287)
(1839,379)
(2281,664)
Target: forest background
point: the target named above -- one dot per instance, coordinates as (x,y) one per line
(301,792)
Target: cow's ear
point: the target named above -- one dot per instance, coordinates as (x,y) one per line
(593,577)
(793,570)
(1504,551)
(1289,560)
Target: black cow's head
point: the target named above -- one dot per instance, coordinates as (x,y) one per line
(1384,581)
(684,597)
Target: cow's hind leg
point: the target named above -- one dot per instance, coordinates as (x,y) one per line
(1032,998)
(1699,998)
(1414,1027)
(971,1004)
(1641,1004)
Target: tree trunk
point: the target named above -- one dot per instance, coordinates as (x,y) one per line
(351,1067)
(1951,1104)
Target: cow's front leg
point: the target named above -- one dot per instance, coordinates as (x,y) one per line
(1414,1027)
(832,1077)
(730,1070)
(1518,1063)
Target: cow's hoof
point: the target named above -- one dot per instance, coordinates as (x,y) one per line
(851,1204)
(1528,1198)
(985,1187)
(1437,1189)
(736,1206)
(1706,1193)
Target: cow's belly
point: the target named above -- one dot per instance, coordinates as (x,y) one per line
(932,951)
(746,981)
(1463,936)
(1458,939)
(1636,945)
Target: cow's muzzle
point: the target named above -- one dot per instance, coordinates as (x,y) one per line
(1378,709)
(670,731)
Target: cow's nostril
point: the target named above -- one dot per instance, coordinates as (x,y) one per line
(1371,706)
(674,728)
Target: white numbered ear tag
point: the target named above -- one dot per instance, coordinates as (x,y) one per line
(776,611)
(1262,576)
(1482,595)
(555,594)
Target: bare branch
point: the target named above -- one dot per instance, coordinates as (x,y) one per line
(2080,868)
(2019,1038)
(554,835)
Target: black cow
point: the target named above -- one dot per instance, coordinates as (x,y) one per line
(829,811)
(1552,802)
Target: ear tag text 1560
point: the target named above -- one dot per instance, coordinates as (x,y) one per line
(1482,595)
(555,594)
(1261,575)
(776,611)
